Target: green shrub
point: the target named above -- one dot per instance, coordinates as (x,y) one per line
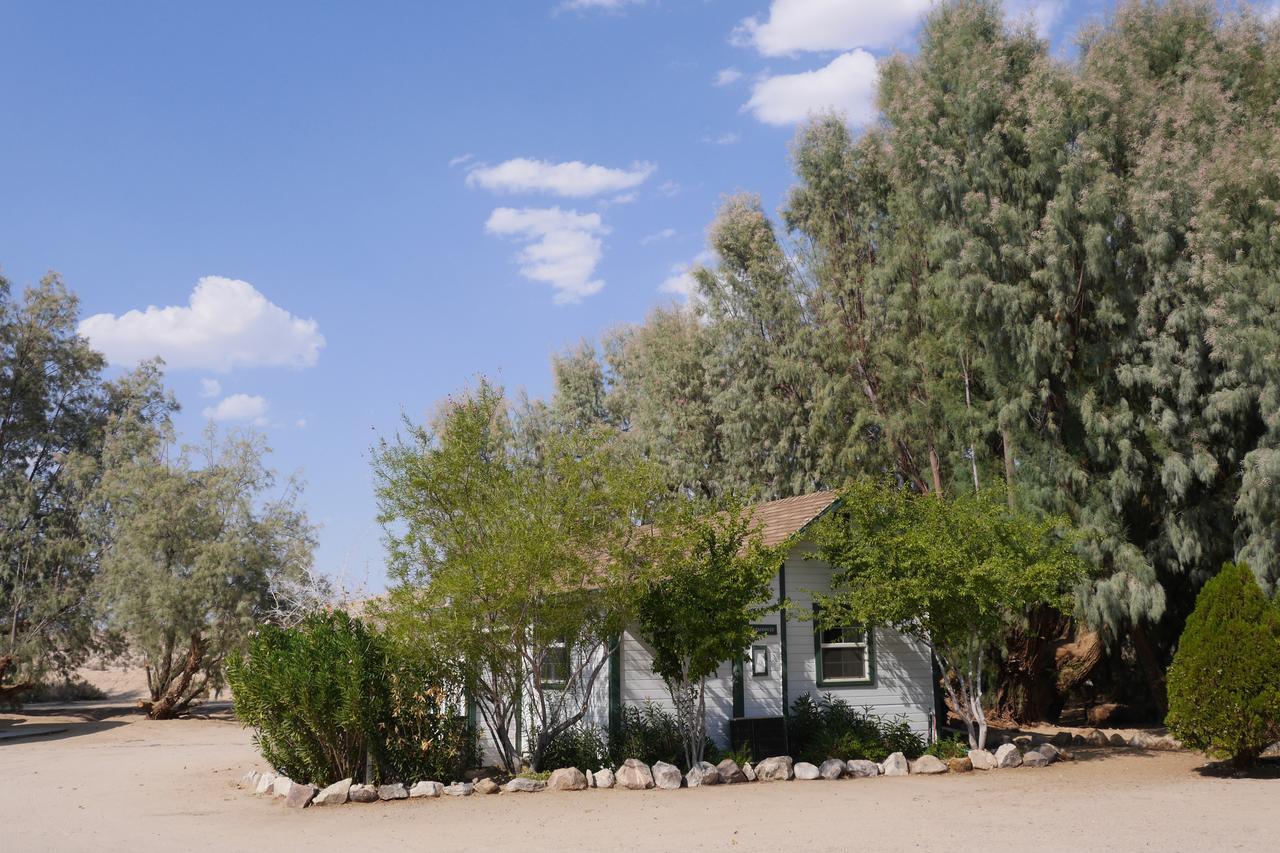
(831,728)
(1224,683)
(954,746)
(329,698)
(583,746)
(648,733)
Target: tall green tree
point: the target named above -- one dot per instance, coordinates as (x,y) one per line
(517,555)
(196,542)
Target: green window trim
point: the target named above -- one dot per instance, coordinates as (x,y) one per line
(858,683)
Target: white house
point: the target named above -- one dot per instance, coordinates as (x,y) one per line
(748,700)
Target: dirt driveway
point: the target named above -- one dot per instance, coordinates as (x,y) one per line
(124,783)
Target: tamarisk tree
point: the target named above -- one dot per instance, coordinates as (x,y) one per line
(955,574)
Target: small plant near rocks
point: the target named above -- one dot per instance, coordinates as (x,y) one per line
(953,746)
(830,728)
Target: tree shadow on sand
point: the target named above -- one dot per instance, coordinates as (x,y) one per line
(1267,767)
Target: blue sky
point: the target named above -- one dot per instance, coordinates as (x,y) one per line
(325,214)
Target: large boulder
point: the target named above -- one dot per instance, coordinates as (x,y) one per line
(426,789)
(780,768)
(861,768)
(702,773)
(1143,740)
(363,794)
(460,789)
(265,781)
(280,787)
(1095,738)
(1034,758)
(666,776)
(895,765)
(333,795)
(1049,751)
(603,778)
(982,759)
(928,765)
(524,785)
(300,795)
(1008,756)
(806,771)
(832,768)
(959,765)
(567,779)
(635,775)
(730,773)
(393,791)
(487,786)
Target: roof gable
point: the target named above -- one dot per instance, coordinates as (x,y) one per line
(781,519)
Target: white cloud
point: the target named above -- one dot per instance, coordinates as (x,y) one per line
(460,159)
(239,407)
(1044,14)
(623,198)
(680,282)
(723,139)
(664,234)
(847,85)
(210,388)
(562,247)
(571,180)
(820,25)
(226,323)
(727,76)
(670,189)
(587,5)
(300,423)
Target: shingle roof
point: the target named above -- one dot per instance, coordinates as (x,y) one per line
(784,518)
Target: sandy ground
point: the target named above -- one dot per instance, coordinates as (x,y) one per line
(125,783)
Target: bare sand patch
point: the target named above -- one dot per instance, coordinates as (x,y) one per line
(125,783)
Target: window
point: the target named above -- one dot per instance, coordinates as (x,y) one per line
(759,660)
(555,666)
(843,655)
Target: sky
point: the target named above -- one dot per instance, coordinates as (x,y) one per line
(325,216)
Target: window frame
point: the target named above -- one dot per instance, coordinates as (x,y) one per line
(551,684)
(818,645)
(757,673)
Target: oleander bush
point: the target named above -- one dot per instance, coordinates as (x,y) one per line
(831,728)
(649,733)
(583,746)
(1224,683)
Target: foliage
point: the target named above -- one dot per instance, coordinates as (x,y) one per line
(194,551)
(709,581)
(953,573)
(583,746)
(329,697)
(512,544)
(55,409)
(830,728)
(649,733)
(1224,684)
(952,746)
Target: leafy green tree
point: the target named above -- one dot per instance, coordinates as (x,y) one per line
(955,574)
(55,408)
(196,542)
(709,580)
(1224,684)
(515,556)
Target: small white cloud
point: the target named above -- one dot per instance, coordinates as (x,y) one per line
(460,159)
(670,189)
(562,247)
(589,5)
(624,198)
(570,180)
(239,407)
(210,388)
(728,138)
(794,26)
(1042,14)
(300,423)
(846,85)
(225,324)
(664,234)
(727,77)
(680,282)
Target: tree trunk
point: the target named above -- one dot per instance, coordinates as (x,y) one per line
(1007,440)
(176,699)
(1026,690)
(1152,669)
(9,692)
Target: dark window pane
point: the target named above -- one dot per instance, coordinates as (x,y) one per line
(844,634)
(847,662)
(555,665)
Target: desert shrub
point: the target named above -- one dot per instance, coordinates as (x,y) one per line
(830,728)
(648,733)
(65,690)
(328,698)
(1224,683)
(583,746)
(952,746)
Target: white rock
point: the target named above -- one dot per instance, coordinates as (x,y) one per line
(522,785)
(1049,751)
(861,768)
(749,772)
(459,789)
(333,795)
(394,791)
(363,794)
(265,781)
(666,776)
(982,759)
(730,773)
(1034,758)
(603,778)
(779,768)
(635,775)
(702,773)
(1008,756)
(806,771)
(426,789)
(300,795)
(928,765)
(249,780)
(567,779)
(280,787)
(832,768)
(895,765)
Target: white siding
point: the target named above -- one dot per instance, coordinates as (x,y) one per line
(641,684)
(903,682)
